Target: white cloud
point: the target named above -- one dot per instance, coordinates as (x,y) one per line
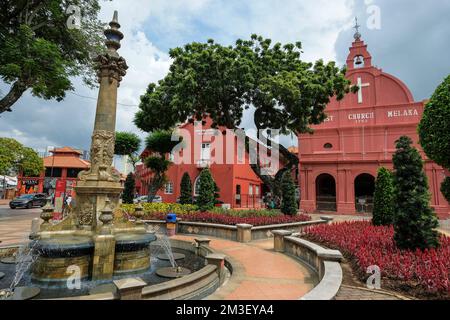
(316,23)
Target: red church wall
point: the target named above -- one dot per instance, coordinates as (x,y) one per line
(359,136)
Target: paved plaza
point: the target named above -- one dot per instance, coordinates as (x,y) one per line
(260,272)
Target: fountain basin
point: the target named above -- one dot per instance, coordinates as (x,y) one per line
(57,255)
(132,253)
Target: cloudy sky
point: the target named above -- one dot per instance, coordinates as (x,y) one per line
(412,43)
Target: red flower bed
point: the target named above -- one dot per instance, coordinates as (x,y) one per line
(425,273)
(207,217)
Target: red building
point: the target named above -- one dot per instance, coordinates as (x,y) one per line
(339,162)
(239,186)
(61,172)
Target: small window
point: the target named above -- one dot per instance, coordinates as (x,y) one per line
(250,190)
(169,188)
(328,146)
(257,190)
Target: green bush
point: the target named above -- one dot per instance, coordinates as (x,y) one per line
(383,210)
(207,190)
(288,199)
(128,191)
(150,208)
(415,220)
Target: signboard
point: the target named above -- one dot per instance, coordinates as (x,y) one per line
(59,199)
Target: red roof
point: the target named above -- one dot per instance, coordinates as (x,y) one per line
(66,158)
(66,150)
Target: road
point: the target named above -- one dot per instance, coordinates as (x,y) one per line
(15,225)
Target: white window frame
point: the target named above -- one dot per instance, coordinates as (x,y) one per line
(168,188)
(205,156)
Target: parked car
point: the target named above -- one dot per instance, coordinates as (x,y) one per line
(29,201)
(143,199)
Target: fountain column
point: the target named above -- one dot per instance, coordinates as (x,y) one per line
(101,181)
(99,188)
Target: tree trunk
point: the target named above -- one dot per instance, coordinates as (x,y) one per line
(13,95)
(155,184)
(274,183)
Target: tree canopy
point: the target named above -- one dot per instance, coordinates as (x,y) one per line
(127,144)
(434,130)
(16,158)
(208,79)
(39,52)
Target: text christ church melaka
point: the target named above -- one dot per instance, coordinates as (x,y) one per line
(339,162)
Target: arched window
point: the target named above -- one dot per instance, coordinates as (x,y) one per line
(328,146)
(358,62)
(197,186)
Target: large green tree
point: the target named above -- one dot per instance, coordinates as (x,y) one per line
(208,79)
(38,51)
(207,191)
(383,210)
(289,202)
(186,189)
(16,158)
(128,144)
(159,143)
(434,130)
(415,220)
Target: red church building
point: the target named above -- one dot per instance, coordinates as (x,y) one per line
(339,162)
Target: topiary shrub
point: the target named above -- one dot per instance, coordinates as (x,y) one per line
(128,191)
(383,210)
(288,199)
(186,189)
(207,190)
(415,221)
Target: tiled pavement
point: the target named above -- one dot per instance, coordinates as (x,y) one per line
(260,273)
(354,293)
(15,225)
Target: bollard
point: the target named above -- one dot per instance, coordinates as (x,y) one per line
(328,219)
(130,289)
(218,260)
(278,239)
(244,233)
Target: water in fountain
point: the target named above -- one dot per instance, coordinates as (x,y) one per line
(24,259)
(164,243)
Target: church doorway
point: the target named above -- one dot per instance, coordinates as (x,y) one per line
(326,193)
(364,191)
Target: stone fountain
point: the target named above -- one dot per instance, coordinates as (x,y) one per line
(89,238)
